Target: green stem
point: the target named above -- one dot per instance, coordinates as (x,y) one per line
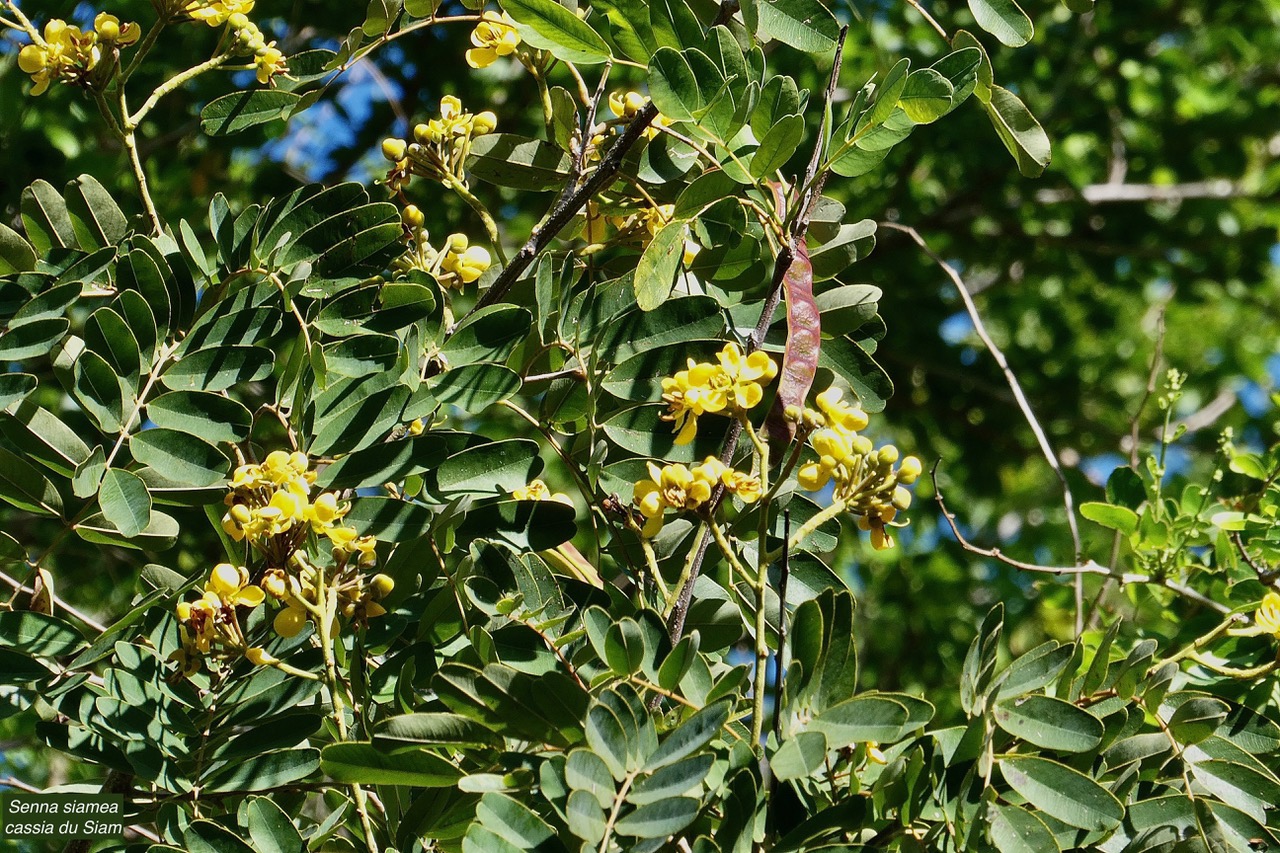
(685,573)
(148,42)
(808,527)
(490,227)
(762,587)
(173,83)
(727,550)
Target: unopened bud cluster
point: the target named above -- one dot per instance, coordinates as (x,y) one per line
(440,146)
(865,480)
(455,264)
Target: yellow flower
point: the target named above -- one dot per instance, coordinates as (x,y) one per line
(259,656)
(839,414)
(493,37)
(326,511)
(268,62)
(1267,615)
(67,54)
(745,486)
(216,12)
(537,490)
(416,427)
(626,104)
(341,538)
(674,487)
(909,471)
(231,585)
(467,263)
(691,393)
(110,30)
(874,754)
(745,374)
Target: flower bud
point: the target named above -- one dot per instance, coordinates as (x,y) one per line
(909,471)
(225,579)
(259,656)
(289,622)
(238,21)
(412,216)
(422,133)
(861,445)
(485,122)
(888,455)
(901,498)
(393,149)
(381,585)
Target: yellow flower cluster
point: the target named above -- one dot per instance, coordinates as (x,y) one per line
(211,619)
(215,13)
(67,53)
(493,37)
(440,145)
(457,264)
(678,487)
(271,506)
(537,490)
(268,60)
(733,385)
(1267,616)
(865,478)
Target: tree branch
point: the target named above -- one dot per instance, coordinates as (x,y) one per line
(1046,449)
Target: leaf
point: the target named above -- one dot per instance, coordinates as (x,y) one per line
(673,86)
(1019,131)
(1112,517)
(806,25)
(487,335)
(270,829)
(862,719)
(690,736)
(659,819)
(205,836)
(32,339)
(179,457)
(212,417)
(980,661)
(388,519)
(1049,723)
(160,533)
(778,146)
(804,345)
(95,217)
(926,97)
(513,821)
(1016,830)
(509,160)
(524,525)
(16,254)
(676,320)
(45,218)
(1124,488)
(548,25)
(800,756)
(435,729)
(656,272)
(241,110)
(266,771)
(37,634)
(1197,719)
(1243,787)
(361,762)
(125,502)
(17,668)
(219,368)
(392,461)
(475,387)
(496,467)
(1004,19)
(26,488)
(1061,792)
(1035,669)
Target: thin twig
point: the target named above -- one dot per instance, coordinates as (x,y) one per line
(915,4)
(20,589)
(1089,567)
(778,669)
(1266,576)
(1046,449)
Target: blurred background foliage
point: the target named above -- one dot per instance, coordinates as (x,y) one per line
(1160,206)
